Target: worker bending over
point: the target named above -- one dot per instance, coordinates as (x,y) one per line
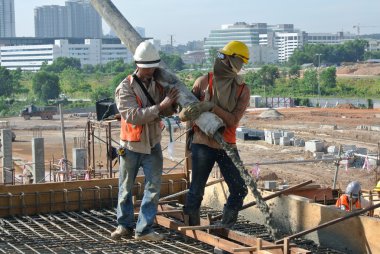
(350,200)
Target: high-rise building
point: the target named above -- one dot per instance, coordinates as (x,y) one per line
(83,20)
(7,18)
(76,19)
(51,21)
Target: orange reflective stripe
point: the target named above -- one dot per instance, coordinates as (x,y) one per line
(128,131)
(343,200)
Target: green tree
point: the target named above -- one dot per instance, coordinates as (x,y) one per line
(115,66)
(310,81)
(327,78)
(294,71)
(45,86)
(173,62)
(70,80)
(372,55)
(62,63)
(350,51)
(212,53)
(268,75)
(101,93)
(6,82)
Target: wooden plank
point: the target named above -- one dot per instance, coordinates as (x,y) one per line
(200,227)
(200,235)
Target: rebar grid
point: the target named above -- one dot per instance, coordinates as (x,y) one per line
(84,232)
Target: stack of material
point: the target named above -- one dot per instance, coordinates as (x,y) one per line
(271,114)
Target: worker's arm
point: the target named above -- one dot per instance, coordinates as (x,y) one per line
(130,110)
(232,118)
(200,86)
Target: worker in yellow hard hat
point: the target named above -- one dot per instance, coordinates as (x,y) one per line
(224,93)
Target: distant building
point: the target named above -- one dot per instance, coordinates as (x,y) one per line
(51,21)
(373,45)
(328,38)
(88,51)
(194,57)
(263,55)
(240,31)
(280,38)
(7,18)
(76,19)
(286,43)
(253,35)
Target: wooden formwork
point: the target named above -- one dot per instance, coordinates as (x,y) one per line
(75,196)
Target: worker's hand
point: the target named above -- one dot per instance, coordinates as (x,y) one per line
(169,100)
(194,110)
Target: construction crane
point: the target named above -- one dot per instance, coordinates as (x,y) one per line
(358,27)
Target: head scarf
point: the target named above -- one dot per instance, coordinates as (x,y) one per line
(225,82)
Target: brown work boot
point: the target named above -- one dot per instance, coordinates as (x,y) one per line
(120,232)
(152,236)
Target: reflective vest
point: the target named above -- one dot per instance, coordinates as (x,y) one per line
(229,133)
(128,131)
(344,200)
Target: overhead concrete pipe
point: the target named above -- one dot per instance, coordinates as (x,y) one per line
(209,123)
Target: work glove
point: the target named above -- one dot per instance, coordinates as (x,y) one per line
(194,110)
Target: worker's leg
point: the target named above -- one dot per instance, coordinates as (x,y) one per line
(236,186)
(129,166)
(152,165)
(203,159)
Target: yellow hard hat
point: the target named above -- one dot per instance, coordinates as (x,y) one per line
(377,188)
(236,48)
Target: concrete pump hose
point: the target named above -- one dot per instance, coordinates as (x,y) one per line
(208,122)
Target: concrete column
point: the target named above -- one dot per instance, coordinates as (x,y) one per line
(6,175)
(79,158)
(38,157)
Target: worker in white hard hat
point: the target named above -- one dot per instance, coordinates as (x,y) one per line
(351,199)
(141,101)
(224,93)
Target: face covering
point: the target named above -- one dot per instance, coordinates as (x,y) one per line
(225,82)
(236,63)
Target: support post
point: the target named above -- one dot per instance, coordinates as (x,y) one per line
(6,175)
(38,155)
(337,168)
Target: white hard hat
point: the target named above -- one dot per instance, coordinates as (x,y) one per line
(353,188)
(146,56)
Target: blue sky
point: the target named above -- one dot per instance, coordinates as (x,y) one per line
(193,19)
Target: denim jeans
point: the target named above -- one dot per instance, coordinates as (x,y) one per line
(129,166)
(203,160)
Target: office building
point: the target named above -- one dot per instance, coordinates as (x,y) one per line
(88,51)
(240,31)
(76,19)
(51,21)
(7,18)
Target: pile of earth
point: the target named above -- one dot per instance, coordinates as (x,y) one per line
(359,69)
(346,106)
(271,114)
(268,177)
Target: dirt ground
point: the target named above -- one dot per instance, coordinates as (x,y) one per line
(305,122)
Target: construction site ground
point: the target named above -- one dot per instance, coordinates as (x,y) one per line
(307,123)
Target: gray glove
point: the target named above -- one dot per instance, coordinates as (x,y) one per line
(194,110)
